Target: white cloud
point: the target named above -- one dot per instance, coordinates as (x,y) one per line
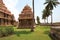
(11,5)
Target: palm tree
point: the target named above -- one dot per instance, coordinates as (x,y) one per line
(33,6)
(32,29)
(43,17)
(46,14)
(50,6)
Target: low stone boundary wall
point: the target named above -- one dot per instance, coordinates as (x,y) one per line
(55,32)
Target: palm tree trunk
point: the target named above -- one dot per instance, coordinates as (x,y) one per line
(33,8)
(47,20)
(32,29)
(44,21)
(51,19)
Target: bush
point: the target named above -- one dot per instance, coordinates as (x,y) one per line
(1,32)
(4,32)
(10,30)
(7,30)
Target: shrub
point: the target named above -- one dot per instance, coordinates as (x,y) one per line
(7,30)
(1,32)
(10,30)
(4,32)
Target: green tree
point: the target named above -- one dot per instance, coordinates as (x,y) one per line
(45,14)
(38,20)
(50,6)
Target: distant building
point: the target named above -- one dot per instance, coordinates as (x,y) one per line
(26,19)
(6,18)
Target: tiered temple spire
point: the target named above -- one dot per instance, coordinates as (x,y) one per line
(6,18)
(3,8)
(26,19)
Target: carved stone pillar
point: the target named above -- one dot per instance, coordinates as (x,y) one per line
(9,22)
(2,22)
(5,22)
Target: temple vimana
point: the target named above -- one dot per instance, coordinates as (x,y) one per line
(26,19)
(6,18)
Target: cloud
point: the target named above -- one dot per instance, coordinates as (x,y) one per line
(11,5)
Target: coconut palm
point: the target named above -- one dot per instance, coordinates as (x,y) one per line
(46,14)
(43,17)
(50,6)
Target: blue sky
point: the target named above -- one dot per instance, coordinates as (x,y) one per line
(16,6)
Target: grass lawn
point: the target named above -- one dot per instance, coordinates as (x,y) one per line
(40,33)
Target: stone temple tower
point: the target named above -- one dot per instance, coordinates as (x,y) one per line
(26,19)
(6,18)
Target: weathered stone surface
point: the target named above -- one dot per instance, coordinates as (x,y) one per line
(26,19)
(55,32)
(6,18)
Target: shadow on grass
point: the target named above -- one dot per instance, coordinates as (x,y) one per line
(51,37)
(48,33)
(18,33)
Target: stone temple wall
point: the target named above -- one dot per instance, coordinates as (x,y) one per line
(26,19)
(6,18)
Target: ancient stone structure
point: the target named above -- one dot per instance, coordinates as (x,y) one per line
(6,18)
(26,19)
(55,32)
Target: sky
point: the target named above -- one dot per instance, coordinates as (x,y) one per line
(16,6)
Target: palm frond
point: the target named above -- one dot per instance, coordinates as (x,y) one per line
(51,6)
(44,15)
(54,4)
(45,2)
(57,2)
(47,6)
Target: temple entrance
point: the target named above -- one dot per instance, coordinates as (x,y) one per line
(26,23)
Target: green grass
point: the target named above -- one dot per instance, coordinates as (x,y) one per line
(40,33)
